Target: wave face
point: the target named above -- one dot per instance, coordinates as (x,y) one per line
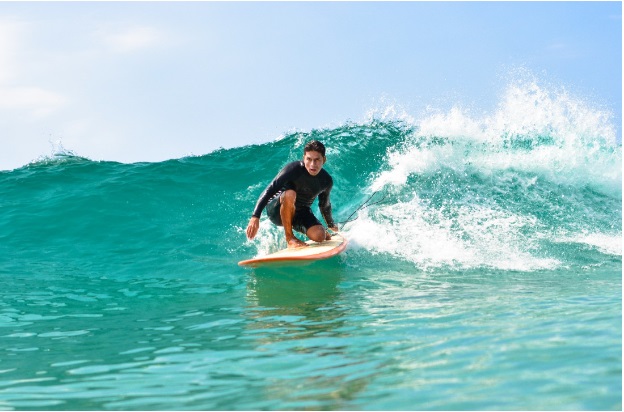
(526,200)
(536,185)
(518,190)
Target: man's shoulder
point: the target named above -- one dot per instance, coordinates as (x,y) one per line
(324,174)
(291,171)
(296,166)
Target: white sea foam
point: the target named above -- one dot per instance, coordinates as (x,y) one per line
(476,236)
(534,136)
(553,135)
(605,243)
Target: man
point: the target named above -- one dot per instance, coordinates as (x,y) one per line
(288,198)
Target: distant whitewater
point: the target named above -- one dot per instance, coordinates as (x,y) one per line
(488,270)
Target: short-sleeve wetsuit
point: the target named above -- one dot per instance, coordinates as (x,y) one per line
(295,176)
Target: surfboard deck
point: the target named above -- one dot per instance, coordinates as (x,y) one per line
(302,255)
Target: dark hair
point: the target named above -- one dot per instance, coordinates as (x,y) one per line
(314,146)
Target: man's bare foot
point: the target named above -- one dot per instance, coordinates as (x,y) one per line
(295,243)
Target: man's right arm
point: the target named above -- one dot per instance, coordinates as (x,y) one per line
(275,186)
(252,227)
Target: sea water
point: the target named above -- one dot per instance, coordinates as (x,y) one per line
(487,275)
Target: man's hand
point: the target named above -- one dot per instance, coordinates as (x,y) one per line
(252,227)
(328,235)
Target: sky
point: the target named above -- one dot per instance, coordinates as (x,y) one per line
(150,81)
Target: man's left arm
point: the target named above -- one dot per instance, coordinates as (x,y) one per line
(326,208)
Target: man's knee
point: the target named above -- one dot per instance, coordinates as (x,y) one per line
(316,233)
(288,197)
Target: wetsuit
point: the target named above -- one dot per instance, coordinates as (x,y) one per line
(295,176)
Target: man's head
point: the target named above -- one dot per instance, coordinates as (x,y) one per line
(314,157)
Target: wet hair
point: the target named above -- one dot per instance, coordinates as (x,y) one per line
(314,146)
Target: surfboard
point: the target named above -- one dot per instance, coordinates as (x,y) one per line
(302,255)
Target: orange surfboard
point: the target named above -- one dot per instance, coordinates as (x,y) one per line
(301,255)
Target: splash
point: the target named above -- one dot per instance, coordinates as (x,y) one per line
(494,190)
(555,136)
(58,154)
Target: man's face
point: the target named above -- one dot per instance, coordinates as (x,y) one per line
(313,162)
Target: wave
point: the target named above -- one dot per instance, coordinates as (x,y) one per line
(499,190)
(536,185)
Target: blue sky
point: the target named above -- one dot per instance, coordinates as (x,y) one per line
(149,81)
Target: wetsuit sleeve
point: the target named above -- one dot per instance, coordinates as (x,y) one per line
(325,205)
(284,176)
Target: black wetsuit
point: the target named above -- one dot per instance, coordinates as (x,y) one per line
(295,176)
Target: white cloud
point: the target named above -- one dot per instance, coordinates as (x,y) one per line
(132,39)
(11,32)
(16,92)
(37,101)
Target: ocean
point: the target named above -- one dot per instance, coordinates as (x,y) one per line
(485,272)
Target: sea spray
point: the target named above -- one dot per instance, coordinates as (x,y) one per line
(496,191)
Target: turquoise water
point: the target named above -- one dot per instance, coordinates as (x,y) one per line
(488,277)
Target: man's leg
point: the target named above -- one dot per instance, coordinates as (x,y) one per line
(287,212)
(318,233)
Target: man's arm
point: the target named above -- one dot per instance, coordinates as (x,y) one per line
(285,175)
(326,208)
(252,227)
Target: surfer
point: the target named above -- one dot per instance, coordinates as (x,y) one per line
(288,198)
